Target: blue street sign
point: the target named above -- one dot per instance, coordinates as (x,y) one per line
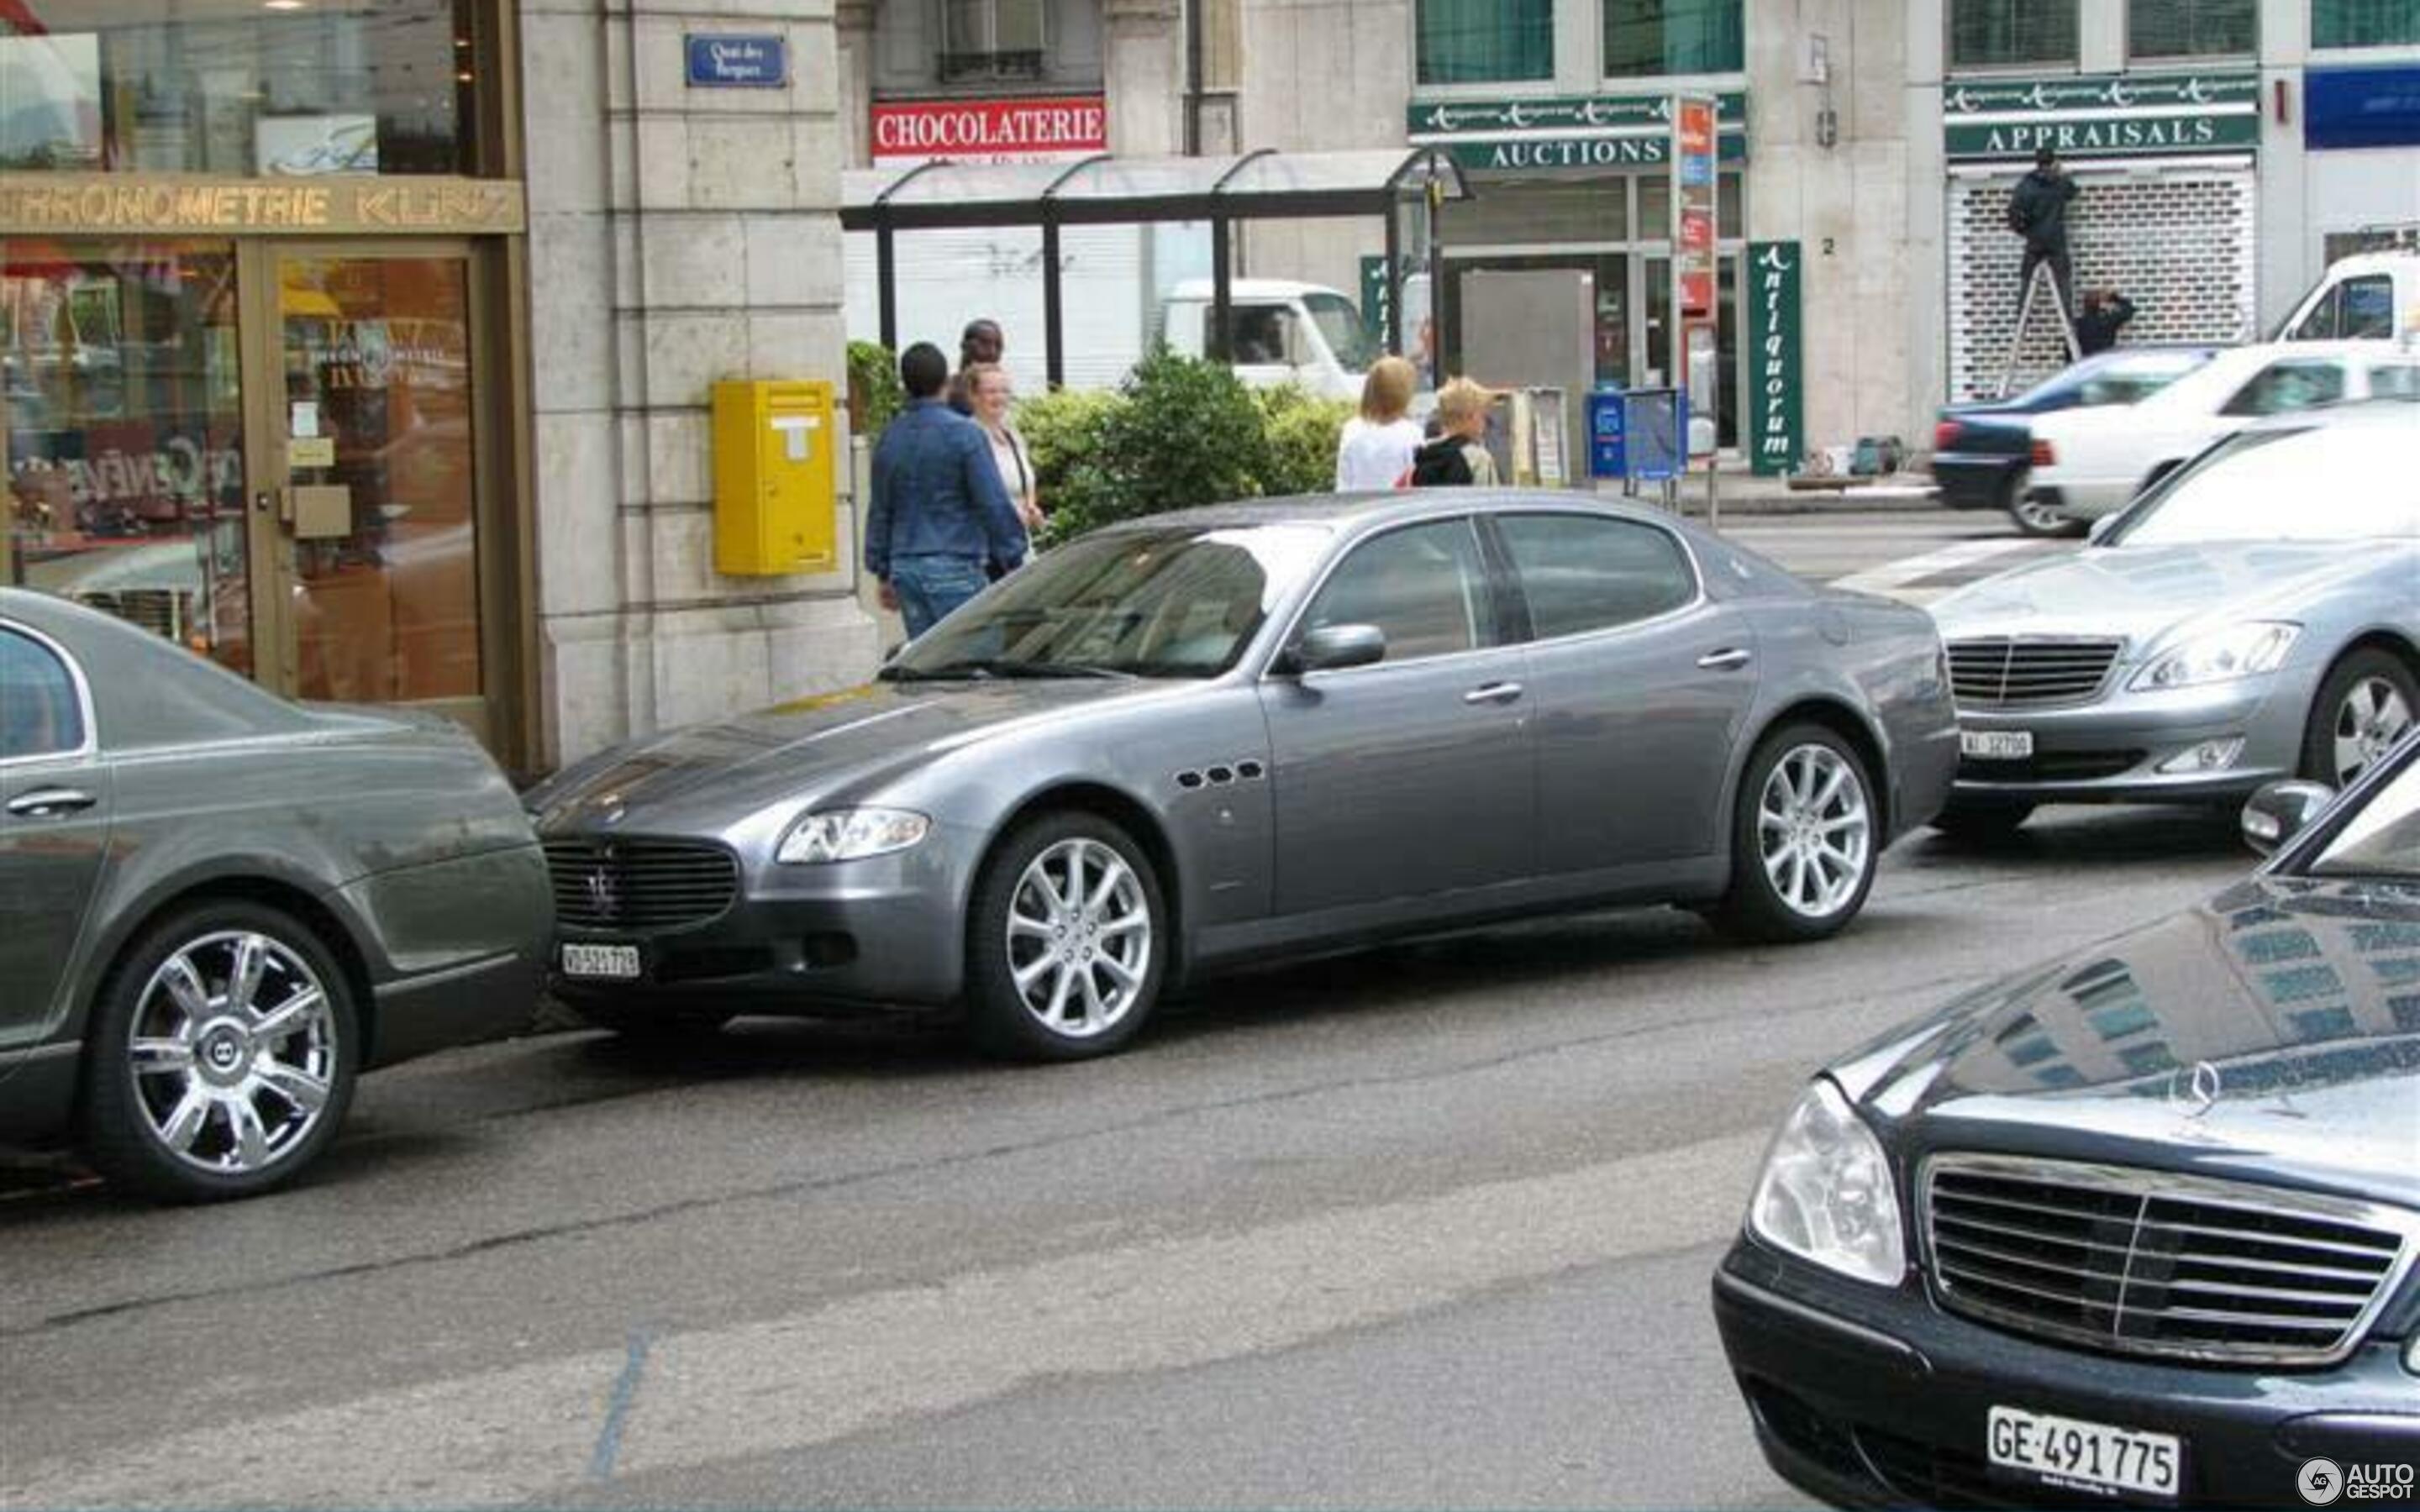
(725,61)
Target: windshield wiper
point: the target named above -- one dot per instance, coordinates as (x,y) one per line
(986,667)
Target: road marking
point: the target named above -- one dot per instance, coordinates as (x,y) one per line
(1965,561)
(772,1385)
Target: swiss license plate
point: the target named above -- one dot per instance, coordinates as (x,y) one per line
(618,963)
(1996,745)
(2094,1457)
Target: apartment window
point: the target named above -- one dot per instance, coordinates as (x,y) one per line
(2364,22)
(1222,44)
(991,40)
(1481,41)
(1997,34)
(2192,28)
(1644,38)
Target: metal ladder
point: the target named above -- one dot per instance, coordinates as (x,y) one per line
(2024,317)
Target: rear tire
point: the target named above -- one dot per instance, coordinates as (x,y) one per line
(1981,820)
(1806,838)
(222,1056)
(2037,518)
(1067,941)
(2367,701)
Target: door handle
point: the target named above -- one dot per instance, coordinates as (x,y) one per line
(1731,658)
(49,803)
(1493,693)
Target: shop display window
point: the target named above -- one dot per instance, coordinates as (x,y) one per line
(2364,22)
(240,89)
(2157,29)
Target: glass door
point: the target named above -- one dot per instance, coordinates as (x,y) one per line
(369,462)
(125,437)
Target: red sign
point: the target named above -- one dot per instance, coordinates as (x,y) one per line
(1698,126)
(991,131)
(1697,229)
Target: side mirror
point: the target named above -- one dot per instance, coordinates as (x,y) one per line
(1333,647)
(2281,810)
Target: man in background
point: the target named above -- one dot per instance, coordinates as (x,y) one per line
(940,510)
(2097,324)
(2038,212)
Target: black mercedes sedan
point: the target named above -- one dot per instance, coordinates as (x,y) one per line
(2137,1226)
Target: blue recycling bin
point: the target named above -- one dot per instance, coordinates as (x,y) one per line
(1638,435)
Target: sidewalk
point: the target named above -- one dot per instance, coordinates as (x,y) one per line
(1745,494)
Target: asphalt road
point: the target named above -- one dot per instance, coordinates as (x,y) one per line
(1428,1227)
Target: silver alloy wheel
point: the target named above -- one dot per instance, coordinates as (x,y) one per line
(2040,518)
(2371,716)
(1079,939)
(228,1081)
(1814,830)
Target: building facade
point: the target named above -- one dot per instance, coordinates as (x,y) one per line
(367,345)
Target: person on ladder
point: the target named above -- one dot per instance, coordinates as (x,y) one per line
(2038,212)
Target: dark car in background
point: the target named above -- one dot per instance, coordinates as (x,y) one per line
(1981,450)
(1209,738)
(218,907)
(2137,1226)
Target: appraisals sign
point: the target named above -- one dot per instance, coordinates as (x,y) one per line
(990,131)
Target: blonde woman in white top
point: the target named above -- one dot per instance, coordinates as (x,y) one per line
(1375,451)
(988,386)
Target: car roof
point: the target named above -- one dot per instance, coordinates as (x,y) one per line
(1354,511)
(2392,412)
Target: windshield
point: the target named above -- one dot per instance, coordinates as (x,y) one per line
(2319,483)
(2383,840)
(1172,602)
(1340,323)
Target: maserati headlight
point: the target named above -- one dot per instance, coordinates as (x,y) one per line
(1827,1193)
(851,835)
(2238,651)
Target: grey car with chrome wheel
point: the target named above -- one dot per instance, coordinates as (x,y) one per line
(1198,741)
(217,908)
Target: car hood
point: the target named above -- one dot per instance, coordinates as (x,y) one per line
(2138,592)
(712,775)
(2259,1035)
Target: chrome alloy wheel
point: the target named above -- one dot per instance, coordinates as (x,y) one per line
(2372,716)
(233,1051)
(2038,517)
(1815,832)
(1079,939)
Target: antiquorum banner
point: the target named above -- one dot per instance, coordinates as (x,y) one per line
(2101,116)
(1775,435)
(112,204)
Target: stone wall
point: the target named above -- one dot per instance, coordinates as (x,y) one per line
(677,236)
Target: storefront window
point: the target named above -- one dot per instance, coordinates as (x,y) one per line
(2364,22)
(125,435)
(1991,34)
(1647,39)
(1481,41)
(2192,28)
(257,91)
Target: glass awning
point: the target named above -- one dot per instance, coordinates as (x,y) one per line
(1110,189)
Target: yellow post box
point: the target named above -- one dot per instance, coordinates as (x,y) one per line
(776,504)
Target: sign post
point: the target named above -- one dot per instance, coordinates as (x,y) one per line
(1697,241)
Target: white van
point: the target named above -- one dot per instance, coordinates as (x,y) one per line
(1284,332)
(2372,296)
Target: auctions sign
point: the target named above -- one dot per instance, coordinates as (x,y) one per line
(1527,135)
(990,131)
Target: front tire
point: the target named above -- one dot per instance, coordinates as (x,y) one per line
(2365,705)
(1806,838)
(1067,941)
(222,1057)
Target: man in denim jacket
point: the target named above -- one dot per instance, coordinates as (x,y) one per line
(939,509)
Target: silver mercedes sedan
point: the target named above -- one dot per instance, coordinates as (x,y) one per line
(2253,617)
(1211,738)
(218,907)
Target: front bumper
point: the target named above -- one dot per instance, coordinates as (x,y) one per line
(2111,750)
(1867,1396)
(878,934)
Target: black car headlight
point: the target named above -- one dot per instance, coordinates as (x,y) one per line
(1826,1194)
(851,835)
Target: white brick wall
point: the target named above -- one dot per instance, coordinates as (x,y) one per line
(2179,241)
